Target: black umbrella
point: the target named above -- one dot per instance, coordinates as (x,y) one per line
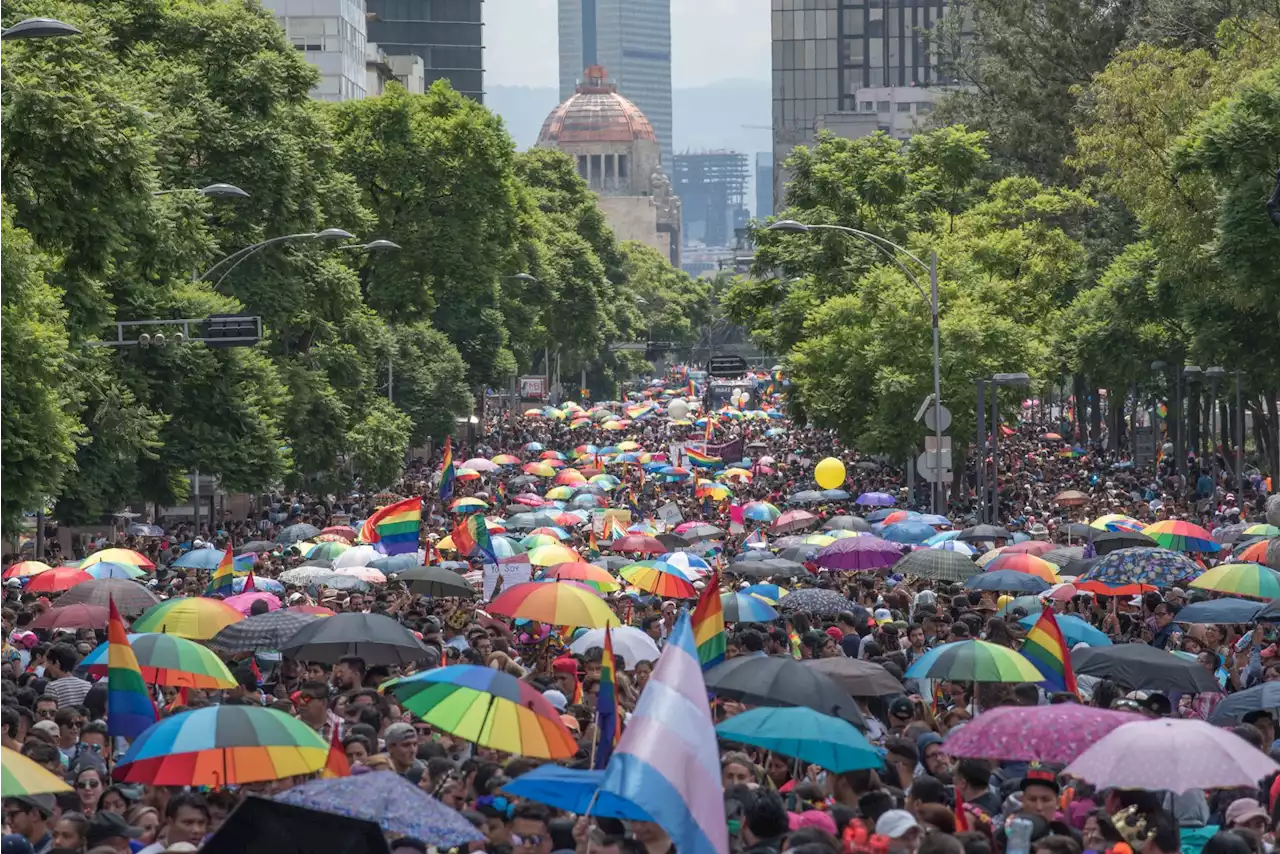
(847,523)
(938,564)
(815,601)
(858,678)
(1259,698)
(799,554)
(674,542)
(131,597)
(1077,532)
(1063,555)
(261,826)
(256,546)
(985,532)
(1108,541)
(375,638)
(1228,610)
(754,569)
(293,533)
(522,480)
(702,532)
(777,680)
(263,631)
(1137,666)
(436,582)
(1078,567)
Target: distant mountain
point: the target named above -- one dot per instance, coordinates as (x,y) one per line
(731,115)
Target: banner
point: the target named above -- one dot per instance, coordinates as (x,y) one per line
(730,452)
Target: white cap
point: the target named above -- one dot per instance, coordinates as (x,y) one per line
(556,699)
(896,824)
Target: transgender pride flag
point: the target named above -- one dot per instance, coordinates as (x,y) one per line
(667,761)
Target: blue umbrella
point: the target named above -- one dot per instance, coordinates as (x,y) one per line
(945,536)
(262,585)
(110,569)
(910,531)
(834,495)
(389,801)
(573,790)
(1220,611)
(935,520)
(1006,580)
(745,608)
(396,563)
(879,515)
(1074,630)
(802,733)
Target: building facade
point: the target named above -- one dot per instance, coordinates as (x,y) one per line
(711,186)
(331,36)
(764,184)
(446,34)
(631,38)
(617,154)
(380,69)
(854,67)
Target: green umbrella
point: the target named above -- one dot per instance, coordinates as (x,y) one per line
(974,661)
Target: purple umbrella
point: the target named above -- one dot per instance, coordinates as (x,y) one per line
(1057,733)
(1173,754)
(876,499)
(859,553)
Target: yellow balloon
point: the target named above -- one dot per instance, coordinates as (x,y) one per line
(830,473)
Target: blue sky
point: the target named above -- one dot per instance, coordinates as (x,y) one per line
(712,40)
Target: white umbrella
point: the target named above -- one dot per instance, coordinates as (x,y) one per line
(357,556)
(629,642)
(1168,753)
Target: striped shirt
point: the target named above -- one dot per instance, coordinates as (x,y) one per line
(69,690)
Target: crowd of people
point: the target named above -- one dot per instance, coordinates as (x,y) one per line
(920,801)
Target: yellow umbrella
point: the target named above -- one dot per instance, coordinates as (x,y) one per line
(552,554)
(21,777)
(989,556)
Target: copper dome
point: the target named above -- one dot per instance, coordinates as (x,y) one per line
(595,113)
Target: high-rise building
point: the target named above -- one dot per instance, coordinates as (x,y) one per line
(853,67)
(331,36)
(711,186)
(445,33)
(764,184)
(632,39)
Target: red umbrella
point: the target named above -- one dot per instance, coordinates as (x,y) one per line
(793,520)
(72,617)
(58,579)
(638,543)
(347,532)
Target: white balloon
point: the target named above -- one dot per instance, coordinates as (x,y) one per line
(678,409)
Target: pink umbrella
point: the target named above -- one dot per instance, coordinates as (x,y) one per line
(1063,592)
(529,499)
(1057,733)
(793,520)
(1169,753)
(242,602)
(365,573)
(480,464)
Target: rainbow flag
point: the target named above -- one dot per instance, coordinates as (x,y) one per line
(692,390)
(700,459)
(711,426)
(708,625)
(336,764)
(130,709)
(593,547)
(667,762)
(446,471)
(395,527)
(793,639)
(472,535)
(608,717)
(1047,649)
(223,575)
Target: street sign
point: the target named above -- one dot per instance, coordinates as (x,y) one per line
(533,387)
(1144,446)
(932,452)
(924,464)
(929,417)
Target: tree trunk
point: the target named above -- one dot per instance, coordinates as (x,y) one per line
(959,475)
(1079,412)
(1273,436)
(1227,433)
(1193,419)
(1115,421)
(1095,414)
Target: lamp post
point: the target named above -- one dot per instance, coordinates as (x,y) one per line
(1214,374)
(39,28)
(1191,374)
(997,380)
(213,191)
(1239,442)
(233,260)
(885,246)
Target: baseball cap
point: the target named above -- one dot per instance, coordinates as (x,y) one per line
(44,803)
(1242,810)
(556,699)
(398,732)
(571,723)
(108,825)
(882,616)
(901,708)
(896,824)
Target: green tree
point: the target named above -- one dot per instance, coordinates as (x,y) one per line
(429,381)
(673,305)
(377,444)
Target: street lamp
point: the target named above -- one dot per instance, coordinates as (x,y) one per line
(39,28)
(213,191)
(371,246)
(1190,373)
(234,259)
(888,248)
(990,504)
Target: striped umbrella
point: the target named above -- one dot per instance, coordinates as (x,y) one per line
(167,660)
(26,569)
(486,707)
(1180,536)
(974,661)
(555,605)
(746,608)
(659,578)
(20,776)
(222,746)
(1030,564)
(191,617)
(128,556)
(1242,579)
(937,564)
(588,573)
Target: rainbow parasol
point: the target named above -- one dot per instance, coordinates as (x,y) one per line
(1021,562)
(1242,579)
(554,604)
(168,660)
(128,556)
(1179,536)
(659,578)
(26,569)
(588,573)
(196,618)
(20,776)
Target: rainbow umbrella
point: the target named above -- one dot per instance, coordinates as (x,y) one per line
(223,746)
(1116,522)
(107,569)
(1242,579)
(1030,564)
(533,541)
(20,776)
(128,556)
(550,555)
(506,460)
(555,605)
(1179,536)
(974,661)
(659,578)
(468,505)
(560,493)
(58,580)
(196,618)
(26,569)
(746,608)
(465,474)
(760,511)
(1261,530)
(770,593)
(588,573)
(327,551)
(167,660)
(539,470)
(486,707)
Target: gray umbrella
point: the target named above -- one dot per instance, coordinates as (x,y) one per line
(756,569)
(293,533)
(985,532)
(1259,698)
(782,681)
(938,564)
(702,532)
(858,678)
(263,631)
(131,597)
(1063,555)
(1137,666)
(375,638)
(436,582)
(808,496)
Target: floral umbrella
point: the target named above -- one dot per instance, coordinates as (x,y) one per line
(1140,565)
(1056,733)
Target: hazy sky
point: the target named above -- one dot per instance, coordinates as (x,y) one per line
(711,40)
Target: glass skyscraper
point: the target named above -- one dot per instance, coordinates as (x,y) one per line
(631,39)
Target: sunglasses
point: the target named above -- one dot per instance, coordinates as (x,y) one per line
(46,714)
(73,724)
(533,839)
(88,784)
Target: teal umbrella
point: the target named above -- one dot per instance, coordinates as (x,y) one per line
(803,734)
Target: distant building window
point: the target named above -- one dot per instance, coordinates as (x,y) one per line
(582,165)
(867,106)
(882,106)
(904,106)
(924,107)
(622,167)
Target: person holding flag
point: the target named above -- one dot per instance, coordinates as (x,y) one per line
(447,473)
(608,712)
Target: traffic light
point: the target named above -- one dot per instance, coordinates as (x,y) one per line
(232,330)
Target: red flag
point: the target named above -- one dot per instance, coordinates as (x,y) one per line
(249,586)
(253,668)
(962,817)
(336,764)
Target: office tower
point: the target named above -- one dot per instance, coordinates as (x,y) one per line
(764,184)
(854,67)
(331,36)
(631,39)
(445,33)
(711,186)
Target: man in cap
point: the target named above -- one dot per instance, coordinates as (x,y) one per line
(29,815)
(110,830)
(902,829)
(402,746)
